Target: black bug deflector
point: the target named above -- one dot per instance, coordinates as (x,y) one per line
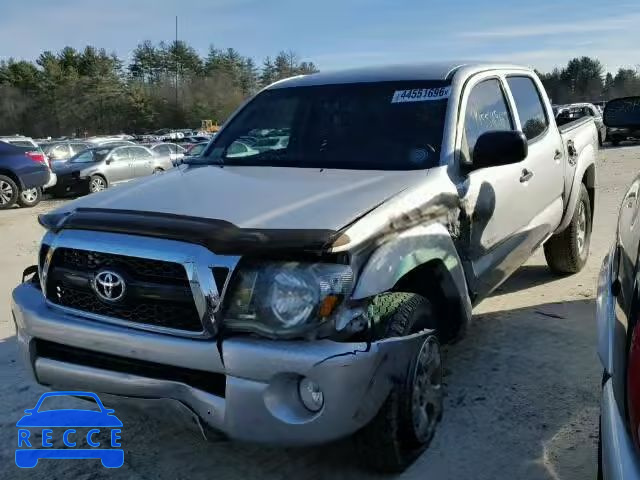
(219,236)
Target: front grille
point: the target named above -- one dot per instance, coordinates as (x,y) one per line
(156,270)
(158,292)
(210,382)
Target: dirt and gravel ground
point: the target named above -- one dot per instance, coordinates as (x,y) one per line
(523,385)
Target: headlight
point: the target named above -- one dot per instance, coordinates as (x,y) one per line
(285,299)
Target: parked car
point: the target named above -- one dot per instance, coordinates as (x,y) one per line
(59,152)
(170,150)
(618,315)
(23,174)
(569,113)
(116,140)
(620,134)
(98,168)
(306,283)
(35,152)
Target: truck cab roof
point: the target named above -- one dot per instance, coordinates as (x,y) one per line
(420,71)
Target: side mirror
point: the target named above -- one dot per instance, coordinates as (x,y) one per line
(108,161)
(622,113)
(497,148)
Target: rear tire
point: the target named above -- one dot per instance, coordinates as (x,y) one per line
(406,423)
(157,170)
(30,197)
(8,192)
(568,251)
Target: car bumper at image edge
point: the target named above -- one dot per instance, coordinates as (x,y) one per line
(261,401)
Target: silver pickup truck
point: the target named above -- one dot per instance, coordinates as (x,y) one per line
(291,285)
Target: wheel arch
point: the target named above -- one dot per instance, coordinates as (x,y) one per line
(421,260)
(101,175)
(585,175)
(589,180)
(12,176)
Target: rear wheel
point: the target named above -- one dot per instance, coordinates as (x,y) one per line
(97,184)
(567,252)
(30,197)
(8,192)
(406,423)
(157,170)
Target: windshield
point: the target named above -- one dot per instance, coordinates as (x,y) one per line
(377,126)
(91,155)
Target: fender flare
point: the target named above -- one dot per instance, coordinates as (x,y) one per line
(586,165)
(422,246)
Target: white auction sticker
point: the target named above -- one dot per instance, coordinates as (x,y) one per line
(420,94)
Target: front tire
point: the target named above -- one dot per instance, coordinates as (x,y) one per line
(30,197)
(406,423)
(567,252)
(8,192)
(97,183)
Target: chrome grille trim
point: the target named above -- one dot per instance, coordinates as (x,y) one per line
(196,260)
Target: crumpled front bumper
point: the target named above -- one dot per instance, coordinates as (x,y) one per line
(260,400)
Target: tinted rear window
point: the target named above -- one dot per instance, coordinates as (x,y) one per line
(529,105)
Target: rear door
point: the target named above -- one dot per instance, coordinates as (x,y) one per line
(142,160)
(543,170)
(119,167)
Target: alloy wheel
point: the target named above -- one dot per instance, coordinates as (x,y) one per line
(6,192)
(427,395)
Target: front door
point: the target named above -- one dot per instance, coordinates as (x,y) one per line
(495,200)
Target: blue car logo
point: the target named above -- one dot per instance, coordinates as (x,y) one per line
(29,451)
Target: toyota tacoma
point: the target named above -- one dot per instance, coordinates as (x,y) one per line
(292,284)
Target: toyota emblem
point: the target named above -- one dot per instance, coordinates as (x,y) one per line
(109,286)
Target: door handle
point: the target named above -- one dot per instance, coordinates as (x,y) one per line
(558,155)
(526,175)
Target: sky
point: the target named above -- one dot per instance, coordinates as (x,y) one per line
(337,34)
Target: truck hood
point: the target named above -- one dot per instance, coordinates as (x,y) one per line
(257,197)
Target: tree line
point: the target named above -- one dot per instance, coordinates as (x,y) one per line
(90,91)
(584,80)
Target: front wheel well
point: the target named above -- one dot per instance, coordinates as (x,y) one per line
(433,281)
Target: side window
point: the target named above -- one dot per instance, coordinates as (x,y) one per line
(78,147)
(486,110)
(60,151)
(139,154)
(120,155)
(533,118)
(162,150)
